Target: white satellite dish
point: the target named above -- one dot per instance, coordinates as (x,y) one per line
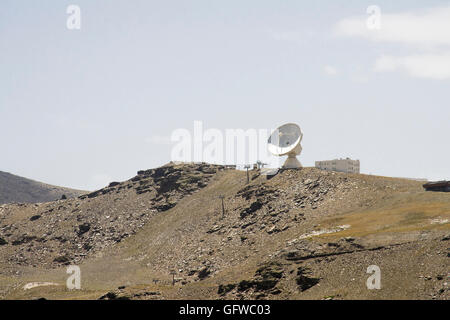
(285,141)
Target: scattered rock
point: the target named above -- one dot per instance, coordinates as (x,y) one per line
(109,296)
(113,184)
(83,228)
(23,239)
(165,207)
(253,207)
(202,274)
(215,228)
(304,281)
(64,259)
(120,295)
(272,270)
(225,288)
(273,229)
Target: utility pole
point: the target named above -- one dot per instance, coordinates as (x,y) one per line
(223,206)
(260,164)
(247,166)
(172,272)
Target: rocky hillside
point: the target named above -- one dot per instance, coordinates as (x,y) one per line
(15,189)
(302,234)
(66,231)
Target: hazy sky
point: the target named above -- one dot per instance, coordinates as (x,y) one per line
(81,108)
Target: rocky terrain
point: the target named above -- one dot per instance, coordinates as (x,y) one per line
(66,231)
(15,189)
(304,234)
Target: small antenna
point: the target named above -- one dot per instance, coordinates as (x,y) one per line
(247,166)
(260,164)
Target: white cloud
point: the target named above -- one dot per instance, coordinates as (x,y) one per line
(432,66)
(329,70)
(427,28)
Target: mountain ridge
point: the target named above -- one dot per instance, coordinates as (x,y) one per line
(17,189)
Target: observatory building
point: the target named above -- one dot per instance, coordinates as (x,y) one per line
(340,165)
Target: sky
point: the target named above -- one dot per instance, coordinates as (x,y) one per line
(83,107)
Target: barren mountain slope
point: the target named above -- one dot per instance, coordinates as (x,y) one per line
(15,189)
(303,234)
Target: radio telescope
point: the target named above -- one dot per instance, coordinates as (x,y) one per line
(285,141)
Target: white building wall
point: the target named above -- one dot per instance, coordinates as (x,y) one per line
(340,165)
